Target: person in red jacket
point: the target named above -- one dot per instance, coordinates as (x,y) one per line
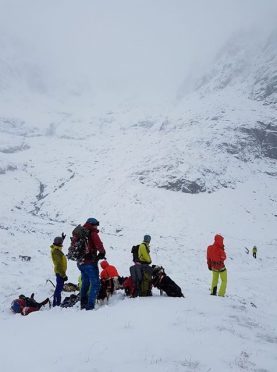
(89,266)
(215,260)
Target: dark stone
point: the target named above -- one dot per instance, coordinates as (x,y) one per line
(186,186)
(265,137)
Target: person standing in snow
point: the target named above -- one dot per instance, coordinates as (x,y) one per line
(89,266)
(254,251)
(60,267)
(141,272)
(215,259)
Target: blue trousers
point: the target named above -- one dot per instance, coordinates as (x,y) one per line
(58,291)
(90,285)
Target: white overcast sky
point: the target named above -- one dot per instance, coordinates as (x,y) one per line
(123,47)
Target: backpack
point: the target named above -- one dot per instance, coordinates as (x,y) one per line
(70,301)
(79,244)
(70,287)
(134,251)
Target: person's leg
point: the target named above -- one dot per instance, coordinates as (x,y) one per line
(94,281)
(214,282)
(147,270)
(58,290)
(136,278)
(223,277)
(84,286)
(46,301)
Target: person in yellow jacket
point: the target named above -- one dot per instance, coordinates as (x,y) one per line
(144,251)
(254,251)
(60,267)
(142,268)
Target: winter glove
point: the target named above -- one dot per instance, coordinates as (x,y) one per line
(63,236)
(100,256)
(65,278)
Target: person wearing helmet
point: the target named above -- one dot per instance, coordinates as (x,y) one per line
(215,260)
(89,266)
(60,267)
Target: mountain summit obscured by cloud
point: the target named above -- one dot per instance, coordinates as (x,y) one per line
(139,51)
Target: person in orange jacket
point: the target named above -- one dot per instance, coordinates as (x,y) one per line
(109,272)
(215,260)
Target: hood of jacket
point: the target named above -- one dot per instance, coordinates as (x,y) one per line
(104,264)
(218,241)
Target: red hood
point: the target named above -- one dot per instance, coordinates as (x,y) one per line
(104,264)
(218,241)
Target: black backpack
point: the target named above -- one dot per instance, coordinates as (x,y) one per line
(134,251)
(79,244)
(70,300)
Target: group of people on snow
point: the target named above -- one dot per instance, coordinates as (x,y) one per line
(142,277)
(90,280)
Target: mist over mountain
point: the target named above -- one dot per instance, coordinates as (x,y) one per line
(114,53)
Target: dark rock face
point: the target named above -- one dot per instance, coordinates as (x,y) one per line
(187,186)
(265,138)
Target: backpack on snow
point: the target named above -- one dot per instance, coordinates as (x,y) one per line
(79,243)
(70,301)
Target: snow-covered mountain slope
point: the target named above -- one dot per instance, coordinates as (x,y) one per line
(180,172)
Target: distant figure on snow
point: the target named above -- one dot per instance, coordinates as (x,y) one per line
(215,259)
(60,267)
(254,251)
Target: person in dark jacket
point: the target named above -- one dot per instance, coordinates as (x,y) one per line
(215,260)
(26,305)
(60,267)
(89,266)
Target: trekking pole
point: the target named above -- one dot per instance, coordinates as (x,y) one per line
(50,281)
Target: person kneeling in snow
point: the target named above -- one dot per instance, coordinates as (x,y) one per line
(109,272)
(109,281)
(215,259)
(26,305)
